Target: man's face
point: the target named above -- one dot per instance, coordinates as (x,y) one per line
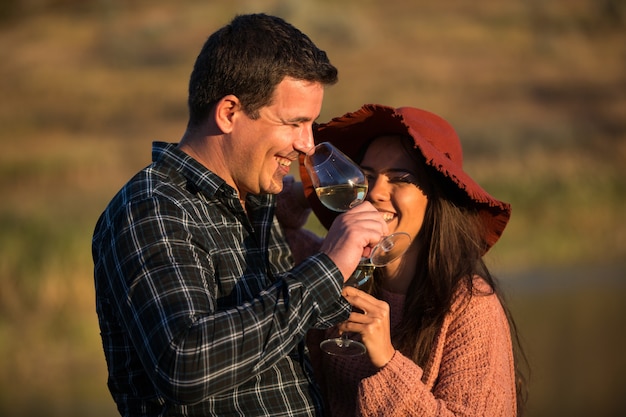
(262,150)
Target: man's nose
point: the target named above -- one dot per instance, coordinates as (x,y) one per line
(305,142)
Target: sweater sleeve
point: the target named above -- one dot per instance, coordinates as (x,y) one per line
(474,375)
(292,214)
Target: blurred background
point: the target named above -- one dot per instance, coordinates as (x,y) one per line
(535,88)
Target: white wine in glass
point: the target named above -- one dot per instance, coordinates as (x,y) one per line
(341,197)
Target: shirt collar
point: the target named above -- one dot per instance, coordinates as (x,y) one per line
(197,174)
(200,176)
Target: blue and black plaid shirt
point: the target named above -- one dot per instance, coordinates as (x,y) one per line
(201,311)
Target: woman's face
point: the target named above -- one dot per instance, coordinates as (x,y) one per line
(394,179)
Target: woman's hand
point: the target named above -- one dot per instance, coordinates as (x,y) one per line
(372,324)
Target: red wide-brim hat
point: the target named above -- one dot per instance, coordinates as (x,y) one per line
(434,137)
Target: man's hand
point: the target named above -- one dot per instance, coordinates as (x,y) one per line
(352,235)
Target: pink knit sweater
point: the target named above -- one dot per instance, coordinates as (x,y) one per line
(470,371)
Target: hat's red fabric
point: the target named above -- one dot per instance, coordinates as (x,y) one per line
(434,137)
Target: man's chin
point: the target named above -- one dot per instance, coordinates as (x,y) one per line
(276,186)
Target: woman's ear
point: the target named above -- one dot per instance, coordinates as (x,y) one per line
(225,109)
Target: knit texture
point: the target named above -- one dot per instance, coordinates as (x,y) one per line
(470,371)
(292,216)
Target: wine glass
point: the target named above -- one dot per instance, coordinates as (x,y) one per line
(340,184)
(343,345)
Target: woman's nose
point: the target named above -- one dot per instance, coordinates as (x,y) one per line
(378,189)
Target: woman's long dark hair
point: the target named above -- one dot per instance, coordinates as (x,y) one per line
(450,256)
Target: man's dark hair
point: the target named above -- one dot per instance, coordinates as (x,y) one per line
(248,58)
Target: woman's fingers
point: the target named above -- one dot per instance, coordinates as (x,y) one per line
(372,323)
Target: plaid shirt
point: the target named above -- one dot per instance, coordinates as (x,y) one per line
(200,309)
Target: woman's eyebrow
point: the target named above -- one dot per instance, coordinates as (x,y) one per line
(394,170)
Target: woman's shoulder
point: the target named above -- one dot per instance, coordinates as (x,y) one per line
(480,286)
(478,312)
(480,295)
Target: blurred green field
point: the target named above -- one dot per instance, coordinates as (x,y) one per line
(536,89)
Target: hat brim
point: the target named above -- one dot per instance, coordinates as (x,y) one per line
(433,137)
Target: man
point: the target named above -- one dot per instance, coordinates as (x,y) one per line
(201,309)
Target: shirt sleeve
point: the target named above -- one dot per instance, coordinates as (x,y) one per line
(474,366)
(162,284)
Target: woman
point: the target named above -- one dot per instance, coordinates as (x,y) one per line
(438,336)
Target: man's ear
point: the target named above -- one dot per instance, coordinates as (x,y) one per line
(225,109)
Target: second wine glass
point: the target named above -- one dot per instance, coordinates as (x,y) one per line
(343,345)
